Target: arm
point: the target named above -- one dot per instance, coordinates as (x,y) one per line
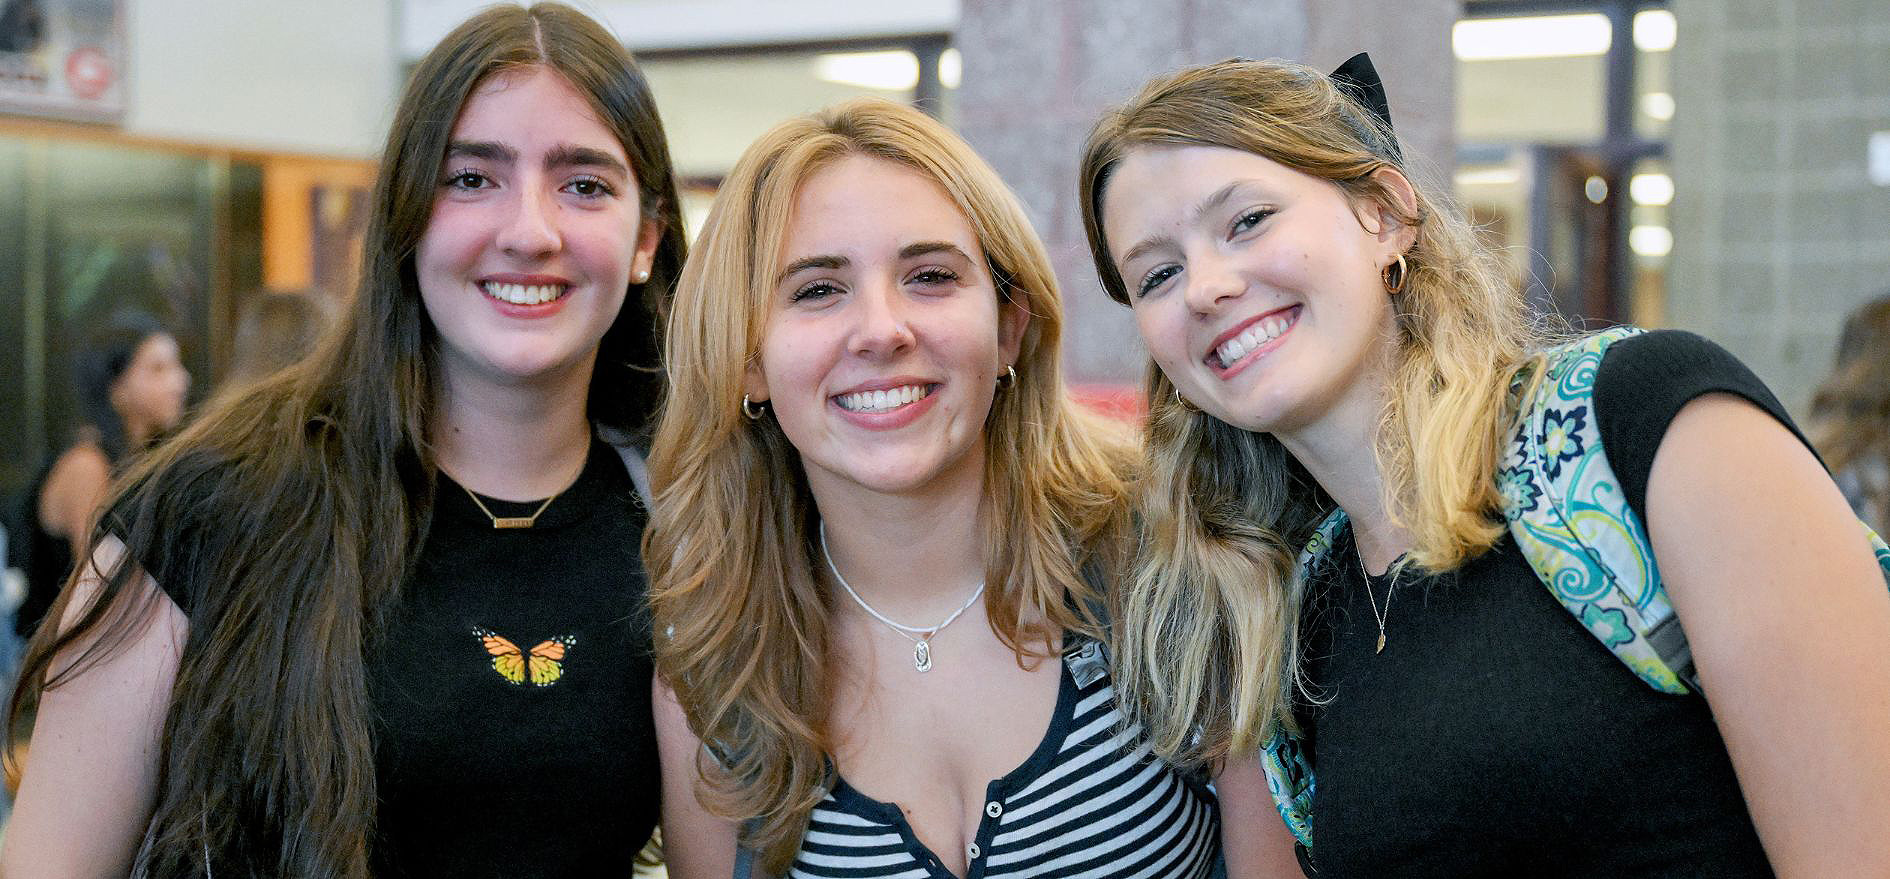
(1789,622)
(74,489)
(696,844)
(91,775)
(1254,839)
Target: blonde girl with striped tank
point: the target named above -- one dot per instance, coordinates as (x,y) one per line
(882,534)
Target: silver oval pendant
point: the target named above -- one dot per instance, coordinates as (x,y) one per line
(922,656)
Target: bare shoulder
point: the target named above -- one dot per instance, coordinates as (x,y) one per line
(75,484)
(1787,615)
(90,777)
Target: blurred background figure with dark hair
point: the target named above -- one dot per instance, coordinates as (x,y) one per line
(1851,412)
(277,329)
(131,384)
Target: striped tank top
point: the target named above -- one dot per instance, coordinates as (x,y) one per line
(1092,801)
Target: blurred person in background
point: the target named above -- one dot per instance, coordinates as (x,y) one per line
(380,613)
(1851,413)
(131,385)
(883,534)
(276,329)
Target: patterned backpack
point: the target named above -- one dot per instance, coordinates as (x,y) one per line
(1568,515)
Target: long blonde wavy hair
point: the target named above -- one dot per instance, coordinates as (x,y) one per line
(740,611)
(1205,640)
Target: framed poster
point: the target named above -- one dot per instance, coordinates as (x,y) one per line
(63,58)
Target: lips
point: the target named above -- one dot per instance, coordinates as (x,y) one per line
(885,400)
(1249,339)
(524,294)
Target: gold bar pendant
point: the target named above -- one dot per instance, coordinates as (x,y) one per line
(512,521)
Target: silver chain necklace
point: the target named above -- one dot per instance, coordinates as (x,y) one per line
(1380,617)
(920,636)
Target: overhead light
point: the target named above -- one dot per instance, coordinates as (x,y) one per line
(1650,240)
(1654,30)
(1658,106)
(1595,188)
(951,67)
(1651,189)
(1538,36)
(1489,177)
(892,70)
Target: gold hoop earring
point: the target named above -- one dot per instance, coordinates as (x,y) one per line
(1008,379)
(1394,281)
(754,411)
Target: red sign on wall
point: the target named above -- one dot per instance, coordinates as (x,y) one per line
(62,58)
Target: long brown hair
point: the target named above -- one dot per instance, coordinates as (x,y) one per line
(731,571)
(295,505)
(1205,631)
(1851,409)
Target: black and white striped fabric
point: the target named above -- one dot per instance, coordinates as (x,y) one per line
(1091,802)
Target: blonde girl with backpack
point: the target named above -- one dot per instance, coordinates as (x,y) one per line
(1366,578)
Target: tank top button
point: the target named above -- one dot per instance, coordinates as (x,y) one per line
(972,851)
(994,808)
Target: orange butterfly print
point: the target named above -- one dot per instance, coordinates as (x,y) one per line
(542,665)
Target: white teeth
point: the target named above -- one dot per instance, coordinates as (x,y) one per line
(523,294)
(882,401)
(1253,337)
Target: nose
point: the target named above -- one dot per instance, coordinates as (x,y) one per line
(1212,281)
(531,230)
(882,326)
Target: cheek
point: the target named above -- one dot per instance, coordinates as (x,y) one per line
(791,364)
(1163,334)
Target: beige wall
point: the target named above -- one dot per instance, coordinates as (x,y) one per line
(1778,230)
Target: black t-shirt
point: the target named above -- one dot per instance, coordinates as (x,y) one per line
(511,690)
(1495,736)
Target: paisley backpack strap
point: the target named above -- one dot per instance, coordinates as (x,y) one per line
(1568,515)
(1289,772)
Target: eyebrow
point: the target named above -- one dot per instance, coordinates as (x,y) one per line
(568,156)
(1218,198)
(823,261)
(560,156)
(921,248)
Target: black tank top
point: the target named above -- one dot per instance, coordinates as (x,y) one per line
(48,560)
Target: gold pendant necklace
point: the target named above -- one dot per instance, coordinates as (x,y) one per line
(511,521)
(1380,617)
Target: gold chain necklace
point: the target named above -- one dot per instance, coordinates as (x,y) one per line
(529,521)
(1380,617)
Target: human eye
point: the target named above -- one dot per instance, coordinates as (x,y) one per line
(1155,278)
(934,276)
(1249,219)
(815,291)
(588,187)
(468,180)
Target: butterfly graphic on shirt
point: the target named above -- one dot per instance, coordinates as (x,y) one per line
(540,666)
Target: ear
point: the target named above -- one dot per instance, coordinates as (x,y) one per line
(1013,320)
(1388,222)
(649,236)
(755,382)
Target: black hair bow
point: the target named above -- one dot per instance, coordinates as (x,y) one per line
(1359,80)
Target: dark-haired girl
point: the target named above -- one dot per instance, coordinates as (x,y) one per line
(381,613)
